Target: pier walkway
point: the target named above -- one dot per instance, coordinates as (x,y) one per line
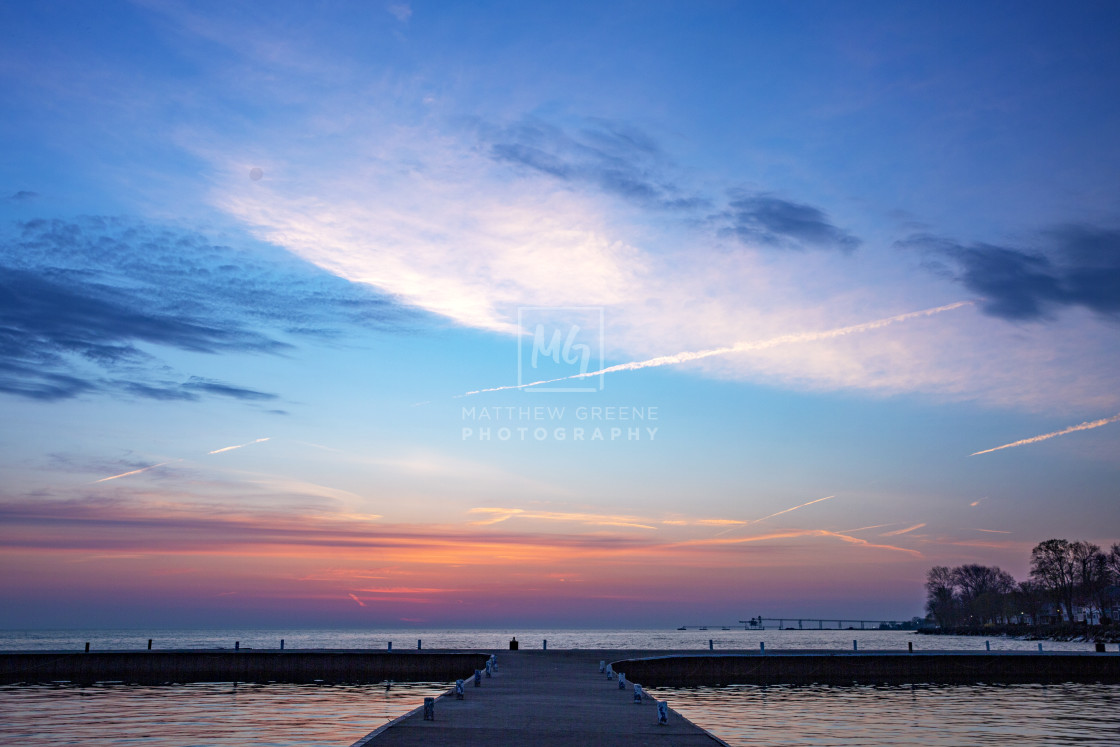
(543,698)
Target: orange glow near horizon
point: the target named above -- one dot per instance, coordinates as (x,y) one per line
(385,570)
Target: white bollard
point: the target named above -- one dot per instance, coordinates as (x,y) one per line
(610,672)
(662,712)
(637,693)
(621,681)
(458,689)
(602,666)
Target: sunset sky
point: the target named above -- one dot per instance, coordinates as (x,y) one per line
(277,280)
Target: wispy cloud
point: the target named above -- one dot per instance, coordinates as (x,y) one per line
(497,515)
(992,531)
(786,511)
(793,534)
(1086,426)
(739,347)
(238,446)
(135,471)
(359,601)
(897,532)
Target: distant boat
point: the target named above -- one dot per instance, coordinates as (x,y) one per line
(682,628)
(725,628)
(702,627)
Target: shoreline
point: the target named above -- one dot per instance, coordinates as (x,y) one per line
(1055,633)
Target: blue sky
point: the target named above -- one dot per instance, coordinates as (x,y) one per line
(836,250)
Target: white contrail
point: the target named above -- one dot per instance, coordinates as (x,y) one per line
(739,347)
(786,511)
(134,472)
(1089,425)
(897,532)
(779,513)
(239,446)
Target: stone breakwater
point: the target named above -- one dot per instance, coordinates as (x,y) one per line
(294,666)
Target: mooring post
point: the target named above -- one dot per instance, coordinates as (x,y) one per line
(855,645)
(610,672)
(602,664)
(150,644)
(237,645)
(621,681)
(911,645)
(1040,648)
(489,666)
(987,645)
(281,644)
(637,693)
(762,647)
(458,689)
(545,644)
(662,712)
(478,678)
(390,646)
(87,647)
(429,709)
(419,644)
(711,645)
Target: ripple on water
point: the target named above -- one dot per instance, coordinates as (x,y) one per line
(216,714)
(903,715)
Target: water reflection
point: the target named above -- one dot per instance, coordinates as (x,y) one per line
(214,714)
(903,715)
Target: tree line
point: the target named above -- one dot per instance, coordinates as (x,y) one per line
(1064,576)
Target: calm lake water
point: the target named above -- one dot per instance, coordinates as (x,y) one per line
(221,714)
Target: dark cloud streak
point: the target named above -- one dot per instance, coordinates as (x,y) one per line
(1080,267)
(770,220)
(618,159)
(79,299)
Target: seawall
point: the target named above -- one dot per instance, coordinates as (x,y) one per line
(295,666)
(872,668)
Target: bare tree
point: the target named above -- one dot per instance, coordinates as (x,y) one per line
(1113,562)
(941,598)
(1053,566)
(1028,599)
(1093,574)
(982,589)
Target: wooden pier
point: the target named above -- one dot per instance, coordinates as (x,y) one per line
(543,698)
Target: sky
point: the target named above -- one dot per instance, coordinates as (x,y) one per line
(603,314)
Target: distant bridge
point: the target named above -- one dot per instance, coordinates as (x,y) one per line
(760,623)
